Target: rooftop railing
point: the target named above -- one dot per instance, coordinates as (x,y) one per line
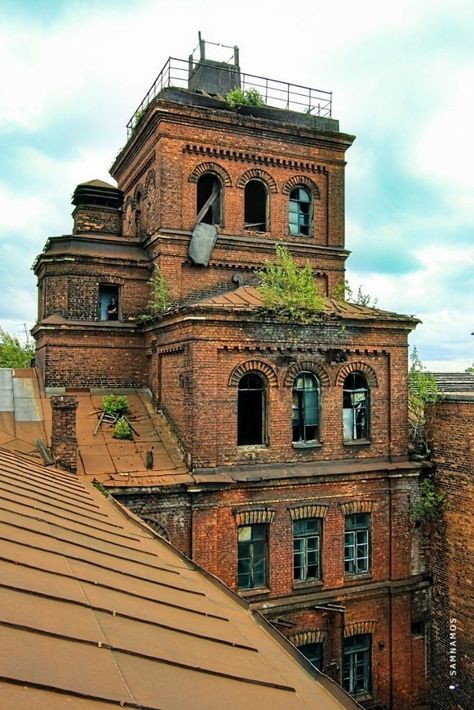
(279,94)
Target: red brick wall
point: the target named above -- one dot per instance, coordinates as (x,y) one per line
(451,433)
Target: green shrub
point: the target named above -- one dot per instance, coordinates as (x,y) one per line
(115,404)
(13,353)
(160,298)
(290,291)
(239,97)
(122,429)
(431,503)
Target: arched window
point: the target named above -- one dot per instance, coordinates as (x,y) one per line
(299,217)
(255,211)
(209,199)
(251,415)
(305,409)
(355,407)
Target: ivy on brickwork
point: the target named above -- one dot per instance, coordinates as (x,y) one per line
(239,97)
(431,503)
(422,391)
(288,290)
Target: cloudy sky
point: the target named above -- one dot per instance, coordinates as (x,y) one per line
(402,76)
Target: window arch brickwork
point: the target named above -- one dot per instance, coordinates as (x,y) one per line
(253,516)
(210,168)
(257,174)
(306,366)
(359,627)
(307,636)
(357,367)
(309,510)
(297,180)
(357,506)
(253,366)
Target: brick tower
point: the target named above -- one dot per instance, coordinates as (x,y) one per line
(295,434)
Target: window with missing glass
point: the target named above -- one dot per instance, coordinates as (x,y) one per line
(252,569)
(357,543)
(209,199)
(299,212)
(306,549)
(256,206)
(313,652)
(356,664)
(305,408)
(355,407)
(251,410)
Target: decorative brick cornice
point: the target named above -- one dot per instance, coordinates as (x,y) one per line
(210,168)
(308,636)
(257,174)
(297,180)
(269,160)
(359,627)
(357,506)
(253,516)
(253,366)
(306,366)
(173,350)
(357,367)
(309,510)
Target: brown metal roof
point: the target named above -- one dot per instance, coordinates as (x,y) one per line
(95,610)
(248,298)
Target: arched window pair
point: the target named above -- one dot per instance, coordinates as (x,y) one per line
(306,409)
(256,212)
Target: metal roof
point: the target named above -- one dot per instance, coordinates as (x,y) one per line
(455,381)
(96,610)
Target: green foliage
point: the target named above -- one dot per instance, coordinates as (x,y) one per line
(115,404)
(431,503)
(137,118)
(13,353)
(122,430)
(239,97)
(97,484)
(160,298)
(470,369)
(289,291)
(344,292)
(422,390)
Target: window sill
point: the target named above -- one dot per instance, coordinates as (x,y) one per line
(307,584)
(250,593)
(357,576)
(357,442)
(251,447)
(307,444)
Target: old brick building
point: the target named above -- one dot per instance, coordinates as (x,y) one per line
(295,435)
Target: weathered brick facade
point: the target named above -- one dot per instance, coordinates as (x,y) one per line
(452,440)
(195,357)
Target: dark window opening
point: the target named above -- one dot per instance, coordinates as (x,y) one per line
(313,652)
(255,212)
(418,628)
(357,543)
(108,302)
(299,217)
(356,664)
(305,408)
(252,556)
(209,189)
(307,549)
(251,410)
(355,407)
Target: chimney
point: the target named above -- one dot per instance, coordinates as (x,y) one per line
(63,432)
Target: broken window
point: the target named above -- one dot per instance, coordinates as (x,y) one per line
(305,408)
(356,664)
(313,652)
(306,549)
(299,217)
(251,410)
(355,407)
(252,556)
(357,543)
(108,302)
(255,211)
(209,199)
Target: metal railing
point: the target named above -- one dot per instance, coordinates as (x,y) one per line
(278,94)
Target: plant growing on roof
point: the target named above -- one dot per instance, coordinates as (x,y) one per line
(288,290)
(115,404)
(250,97)
(431,503)
(344,292)
(122,429)
(160,298)
(422,391)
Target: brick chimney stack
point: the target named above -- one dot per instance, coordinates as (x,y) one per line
(63,432)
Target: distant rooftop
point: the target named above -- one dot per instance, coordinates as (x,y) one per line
(217,78)
(459,382)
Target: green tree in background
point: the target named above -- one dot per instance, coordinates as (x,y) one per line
(13,353)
